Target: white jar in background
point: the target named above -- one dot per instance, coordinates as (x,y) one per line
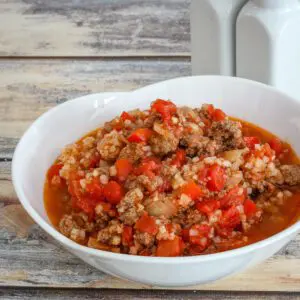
(268,43)
(213,36)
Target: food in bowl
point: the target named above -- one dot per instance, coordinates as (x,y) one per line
(173,181)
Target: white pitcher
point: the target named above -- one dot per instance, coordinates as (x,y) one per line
(268,43)
(213,36)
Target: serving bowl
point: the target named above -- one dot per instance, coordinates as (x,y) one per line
(64,124)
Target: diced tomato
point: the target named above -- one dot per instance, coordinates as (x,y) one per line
(88,200)
(208,206)
(140,135)
(124,167)
(230,218)
(169,227)
(251,141)
(87,204)
(179,159)
(170,248)
(217,178)
(276,145)
(218,115)
(54,171)
(267,150)
(165,108)
(113,192)
(75,188)
(192,189)
(74,175)
(249,208)
(234,197)
(147,224)
(82,204)
(149,167)
(126,116)
(185,233)
(210,109)
(199,234)
(202,174)
(127,236)
(94,189)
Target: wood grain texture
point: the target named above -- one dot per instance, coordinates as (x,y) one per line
(30,87)
(94,27)
(31,258)
(114,294)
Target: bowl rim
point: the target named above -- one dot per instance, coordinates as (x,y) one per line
(292,229)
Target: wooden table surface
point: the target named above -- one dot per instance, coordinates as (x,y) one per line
(52,51)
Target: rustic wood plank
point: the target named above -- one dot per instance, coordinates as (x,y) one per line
(30,87)
(94,28)
(28,256)
(113,294)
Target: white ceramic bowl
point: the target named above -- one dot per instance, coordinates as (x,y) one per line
(65,123)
